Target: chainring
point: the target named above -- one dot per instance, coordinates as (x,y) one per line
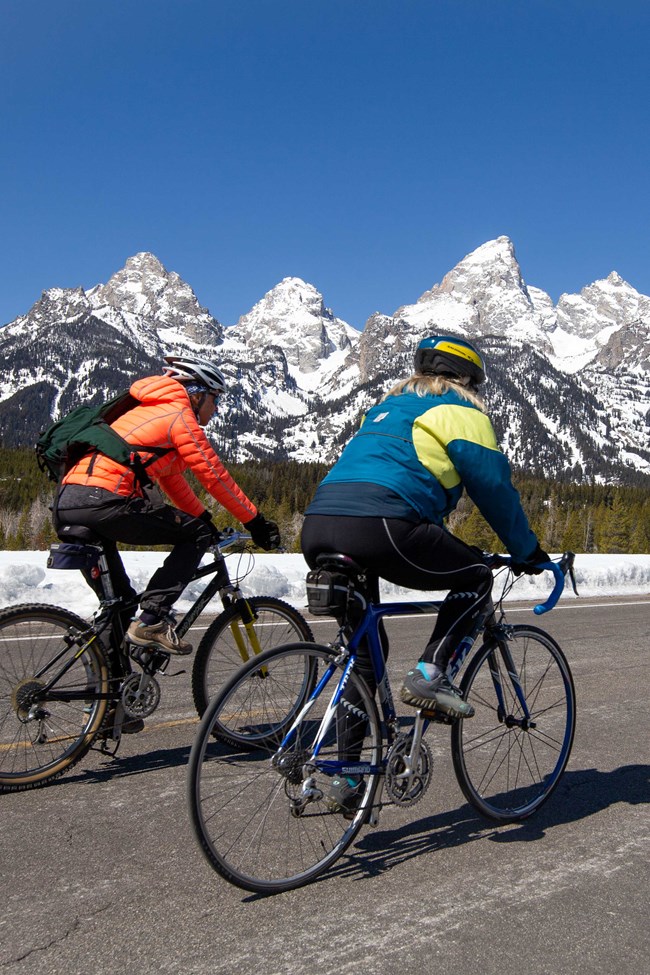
(140,695)
(407,791)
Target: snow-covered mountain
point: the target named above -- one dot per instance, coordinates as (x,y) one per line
(569,385)
(293,316)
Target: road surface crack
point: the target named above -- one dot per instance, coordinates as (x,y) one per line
(76,924)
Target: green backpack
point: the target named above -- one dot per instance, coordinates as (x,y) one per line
(65,442)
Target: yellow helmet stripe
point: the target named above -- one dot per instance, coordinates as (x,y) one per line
(460,350)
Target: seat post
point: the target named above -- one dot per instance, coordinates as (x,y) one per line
(105,577)
(87,537)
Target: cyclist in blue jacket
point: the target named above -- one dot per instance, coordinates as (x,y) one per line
(384,502)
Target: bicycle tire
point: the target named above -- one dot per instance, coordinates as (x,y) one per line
(506,770)
(36,749)
(243,808)
(218,657)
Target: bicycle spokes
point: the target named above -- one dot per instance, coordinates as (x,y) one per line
(510,755)
(264,814)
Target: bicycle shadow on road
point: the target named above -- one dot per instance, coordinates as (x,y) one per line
(581,794)
(116,767)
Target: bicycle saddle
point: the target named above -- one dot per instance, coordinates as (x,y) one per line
(79,533)
(339,562)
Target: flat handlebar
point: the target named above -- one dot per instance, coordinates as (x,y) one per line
(231,537)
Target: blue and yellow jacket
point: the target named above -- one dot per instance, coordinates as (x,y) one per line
(411,459)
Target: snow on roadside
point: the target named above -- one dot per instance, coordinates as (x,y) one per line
(25,578)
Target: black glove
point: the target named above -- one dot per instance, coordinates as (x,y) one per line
(530,564)
(264,533)
(479,553)
(206,516)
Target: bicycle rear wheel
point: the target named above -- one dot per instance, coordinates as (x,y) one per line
(508,765)
(43,735)
(261,816)
(229,642)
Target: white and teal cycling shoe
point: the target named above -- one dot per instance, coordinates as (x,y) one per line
(343,795)
(436,694)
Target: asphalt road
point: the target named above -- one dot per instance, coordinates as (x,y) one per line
(101,872)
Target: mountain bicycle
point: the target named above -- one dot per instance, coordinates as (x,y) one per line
(66,683)
(259,800)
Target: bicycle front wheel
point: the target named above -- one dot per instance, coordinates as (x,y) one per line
(508,762)
(44,732)
(230,642)
(264,816)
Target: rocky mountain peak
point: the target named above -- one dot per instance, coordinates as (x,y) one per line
(491,266)
(602,307)
(300,377)
(56,305)
(483,293)
(144,288)
(293,315)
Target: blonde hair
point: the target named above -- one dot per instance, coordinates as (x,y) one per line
(436,386)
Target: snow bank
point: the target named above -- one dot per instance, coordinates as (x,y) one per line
(25,578)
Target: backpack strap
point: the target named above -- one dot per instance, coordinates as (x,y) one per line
(139,467)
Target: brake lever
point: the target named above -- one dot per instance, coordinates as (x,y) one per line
(567,563)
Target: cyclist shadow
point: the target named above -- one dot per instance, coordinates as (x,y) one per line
(581,794)
(117,767)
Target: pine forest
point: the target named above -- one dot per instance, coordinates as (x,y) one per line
(588,518)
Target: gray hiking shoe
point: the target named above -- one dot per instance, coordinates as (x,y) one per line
(161,635)
(435,695)
(342,796)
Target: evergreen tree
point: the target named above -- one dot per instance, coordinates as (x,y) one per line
(616,527)
(573,537)
(584,517)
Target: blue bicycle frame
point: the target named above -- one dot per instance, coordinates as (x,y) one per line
(368,629)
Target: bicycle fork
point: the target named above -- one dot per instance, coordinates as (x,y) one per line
(249,620)
(509,720)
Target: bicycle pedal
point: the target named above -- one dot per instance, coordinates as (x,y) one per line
(438,716)
(151,659)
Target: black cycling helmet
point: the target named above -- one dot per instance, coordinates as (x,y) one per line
(448,355)
(202,371)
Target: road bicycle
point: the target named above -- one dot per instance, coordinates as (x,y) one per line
(259,798)
(66,683)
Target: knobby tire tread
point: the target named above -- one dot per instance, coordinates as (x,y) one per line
(208,643)
(36,610)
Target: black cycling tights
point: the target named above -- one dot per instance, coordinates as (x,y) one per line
(416,556)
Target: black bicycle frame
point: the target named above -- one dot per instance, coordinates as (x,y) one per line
(221,580)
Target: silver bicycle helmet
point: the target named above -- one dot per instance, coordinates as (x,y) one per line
(202,371)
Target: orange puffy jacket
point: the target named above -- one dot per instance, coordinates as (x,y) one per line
(165,418)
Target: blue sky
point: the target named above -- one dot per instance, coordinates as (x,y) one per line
(363,145)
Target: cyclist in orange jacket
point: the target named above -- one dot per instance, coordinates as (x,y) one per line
(104,496)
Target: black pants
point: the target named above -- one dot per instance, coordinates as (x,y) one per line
(139,522)
(416,556)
